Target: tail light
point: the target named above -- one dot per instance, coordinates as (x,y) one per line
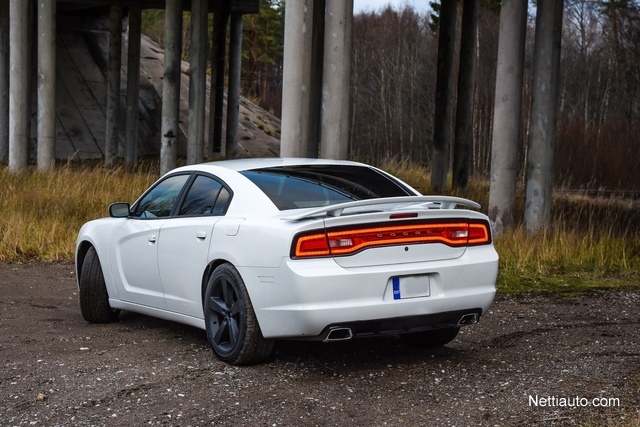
(347,241)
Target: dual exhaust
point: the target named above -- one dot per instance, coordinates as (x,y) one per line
(342,334)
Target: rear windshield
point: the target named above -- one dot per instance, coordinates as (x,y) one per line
(307,186)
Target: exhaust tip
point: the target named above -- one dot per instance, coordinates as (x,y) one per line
(339,334)
(468,319)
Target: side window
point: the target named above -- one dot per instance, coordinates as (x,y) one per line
(205,197)
(159,202)
(223,201)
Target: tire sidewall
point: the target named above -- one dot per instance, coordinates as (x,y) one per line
(233,277)
(93,294)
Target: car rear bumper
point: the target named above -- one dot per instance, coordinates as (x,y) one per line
(397,325)
(307,298)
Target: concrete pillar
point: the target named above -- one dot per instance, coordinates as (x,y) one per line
(543,115)
(197,81)
(171,86)
(216,106)
(505,141)
(233,95)
(19,88)
(4,81)
(46,84)
(315,92)
(334,130)
(133,86)
(113,85)
(296,91)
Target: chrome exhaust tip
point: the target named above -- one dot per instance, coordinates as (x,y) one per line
(469,319)
(339,334)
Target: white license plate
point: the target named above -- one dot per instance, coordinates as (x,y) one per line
(411,286)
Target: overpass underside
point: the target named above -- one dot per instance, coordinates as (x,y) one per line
(78,81)
(82,56)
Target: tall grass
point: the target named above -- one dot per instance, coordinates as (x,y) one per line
(594,244)
(40,214)
(567,261)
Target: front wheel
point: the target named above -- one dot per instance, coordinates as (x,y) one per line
(94,299)
(430,339)
(232,327)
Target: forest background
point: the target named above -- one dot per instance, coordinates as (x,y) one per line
(394,78)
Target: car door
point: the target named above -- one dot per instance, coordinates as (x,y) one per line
(183,249)
(134,244)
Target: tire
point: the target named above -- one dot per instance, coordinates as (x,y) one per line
(94,299)
(430,339)
(232,327)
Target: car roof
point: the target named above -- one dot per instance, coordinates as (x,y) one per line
(249,199)
(239,165)
(252,201)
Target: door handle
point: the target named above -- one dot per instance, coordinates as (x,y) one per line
(201,235)
(152,238)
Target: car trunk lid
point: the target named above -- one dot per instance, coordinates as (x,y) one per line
(390,231)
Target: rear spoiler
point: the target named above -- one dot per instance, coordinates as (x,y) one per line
(444,202)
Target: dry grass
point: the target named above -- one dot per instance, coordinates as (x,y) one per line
(594,244)
(40,214)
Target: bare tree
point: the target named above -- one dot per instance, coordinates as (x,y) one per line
(393,82)
(466,83)
(443,117)
(599,102)
(488,33)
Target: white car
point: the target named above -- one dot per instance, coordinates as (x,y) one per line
(255,250)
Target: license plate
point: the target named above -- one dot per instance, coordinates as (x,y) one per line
(411,286)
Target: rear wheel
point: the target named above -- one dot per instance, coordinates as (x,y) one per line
(232,327)
(430,339)
(94,299)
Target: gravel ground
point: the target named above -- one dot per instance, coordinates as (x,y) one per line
(533,360)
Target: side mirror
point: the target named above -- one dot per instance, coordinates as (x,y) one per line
(119,210)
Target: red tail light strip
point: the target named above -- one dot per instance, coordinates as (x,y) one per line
(350,241)
(313,245)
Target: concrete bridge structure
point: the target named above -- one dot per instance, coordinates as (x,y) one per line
(79,81)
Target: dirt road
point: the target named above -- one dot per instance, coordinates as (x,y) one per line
(533,360)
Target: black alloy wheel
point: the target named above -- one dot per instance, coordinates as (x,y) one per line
(231,324)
